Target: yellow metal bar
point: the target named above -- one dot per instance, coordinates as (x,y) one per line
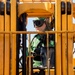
(37,0)
(30,58)
(39,15)
(34,32)
(64,42)
(48,58)
(51,71)
(73,33)
(73,62)
(7,44)
(58,36)
(1,44)
(70,42)
(73,9)
(13,28)
(34,8)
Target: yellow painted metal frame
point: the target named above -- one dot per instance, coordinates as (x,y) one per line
(7,24)
(36,0)
(70,42)
(64,63)
(58,36)
(7,43)
(51,71)
(36,9)
(32,9)
(13,37)
(64,41)
(2,45)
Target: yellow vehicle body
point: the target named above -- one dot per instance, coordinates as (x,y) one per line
(64,31)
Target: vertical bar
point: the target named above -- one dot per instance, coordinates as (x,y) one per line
(18,41)
(58,36)
(48,55)
(64,40)
(1,44)
(70,42)
(74,58)
(7,43)
(13,28)
(29,38)
(24,17)
(30,57)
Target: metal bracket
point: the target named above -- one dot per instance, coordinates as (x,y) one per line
(2,8)
(8,8)
(62,7)
(68,8)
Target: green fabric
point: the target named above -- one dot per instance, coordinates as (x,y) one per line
(51,43)
(35,42)
(37,63)
(27,53)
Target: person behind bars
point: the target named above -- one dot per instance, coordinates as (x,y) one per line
(38,44)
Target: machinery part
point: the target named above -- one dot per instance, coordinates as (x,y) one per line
(21,45)
(8,8)
(1,8)
(42,72)
(68,8)
(36,73)
(24,44)
(62,7)
(48,66)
